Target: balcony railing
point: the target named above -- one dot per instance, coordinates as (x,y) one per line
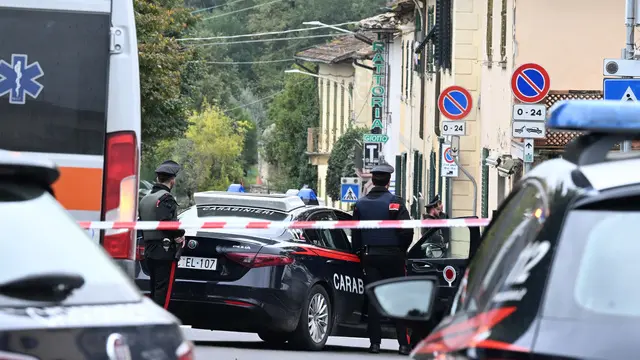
(315,145)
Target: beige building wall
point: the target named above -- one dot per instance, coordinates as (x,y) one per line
(337,108)
(569,38)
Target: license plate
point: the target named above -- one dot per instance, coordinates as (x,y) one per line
(198,263)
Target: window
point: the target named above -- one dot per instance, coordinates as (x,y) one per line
(327,117)
(335,112)
(27,249)
(407,62)
(402,76)
(450,243)
(342,109)
(597,276)
(430,47)
(444,36)
(69,114)
(493,274)
(328,238)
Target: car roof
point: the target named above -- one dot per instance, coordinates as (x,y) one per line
(21,167)
(284,203)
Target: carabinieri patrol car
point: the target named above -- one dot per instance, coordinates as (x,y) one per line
(556,274)
(296,286)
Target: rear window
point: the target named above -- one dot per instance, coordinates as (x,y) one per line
(62,61)
(39,236)
(595,272)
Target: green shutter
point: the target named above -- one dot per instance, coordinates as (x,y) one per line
(404,175)
(485,185)
(403,62)
(432,176)
(398,177)
(416,182)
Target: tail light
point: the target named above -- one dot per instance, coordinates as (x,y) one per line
(139,252)
(120,192)
(185,351)
(11,356)
(253,260)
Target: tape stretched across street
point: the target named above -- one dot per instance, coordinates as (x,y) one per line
(343,224)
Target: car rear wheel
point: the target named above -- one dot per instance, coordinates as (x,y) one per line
(274,337)
(315,322)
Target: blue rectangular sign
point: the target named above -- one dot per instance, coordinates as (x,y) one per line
(349,193)
(621,89)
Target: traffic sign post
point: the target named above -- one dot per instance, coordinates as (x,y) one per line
(528,151)
(454,103)
(449,167)
(530,83)
(371,154)
(349,189)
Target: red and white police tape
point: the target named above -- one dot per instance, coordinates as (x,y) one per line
(342,224)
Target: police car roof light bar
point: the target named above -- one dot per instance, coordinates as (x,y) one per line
(603,116)
(606,122)
(273,202)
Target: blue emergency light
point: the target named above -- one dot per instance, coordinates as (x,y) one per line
(236,188)
(308,196)
(605,116)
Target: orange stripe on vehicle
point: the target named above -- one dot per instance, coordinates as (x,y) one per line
(79,188)
(465,334)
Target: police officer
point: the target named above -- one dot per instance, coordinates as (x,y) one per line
(440,237)
(161,247)
(382,251)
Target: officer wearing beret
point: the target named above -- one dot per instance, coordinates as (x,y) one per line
(161,246)
(382,251)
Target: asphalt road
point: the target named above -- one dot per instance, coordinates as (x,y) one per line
(222,345)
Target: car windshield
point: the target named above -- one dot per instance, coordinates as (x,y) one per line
(235,214)
(41,237)
(595,274)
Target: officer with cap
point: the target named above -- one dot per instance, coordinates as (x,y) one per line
(382,251)
(441,236)
(161,246)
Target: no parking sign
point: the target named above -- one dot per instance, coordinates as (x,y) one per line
(449,167)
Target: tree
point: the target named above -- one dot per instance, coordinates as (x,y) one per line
(341,161)
(291,114)
(162,59)
(210,153)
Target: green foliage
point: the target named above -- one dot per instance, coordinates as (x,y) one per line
(161,58)
(292,113)
(210,153)
(341,161)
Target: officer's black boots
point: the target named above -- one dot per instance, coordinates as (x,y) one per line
(374,348)
(404,350)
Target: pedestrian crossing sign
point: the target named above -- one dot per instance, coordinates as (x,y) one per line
(349,190)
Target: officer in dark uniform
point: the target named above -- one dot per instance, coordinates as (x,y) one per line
(161,247)
(440,238)
(382,251)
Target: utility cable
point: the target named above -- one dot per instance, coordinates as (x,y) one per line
(263,99)
(217,6)
(265,33)
(241,62)
(241,10)
(262,40)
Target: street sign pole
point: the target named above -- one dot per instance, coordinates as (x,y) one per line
(455,103)
(630,13)
(530,84)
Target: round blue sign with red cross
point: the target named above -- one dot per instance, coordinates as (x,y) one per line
(530,83)
(448,156)
(455,102)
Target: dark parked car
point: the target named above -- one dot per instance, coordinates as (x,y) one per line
(297,286)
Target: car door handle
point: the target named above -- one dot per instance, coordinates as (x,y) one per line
(421,266)
(330,261)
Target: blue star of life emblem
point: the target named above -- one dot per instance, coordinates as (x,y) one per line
(19,79)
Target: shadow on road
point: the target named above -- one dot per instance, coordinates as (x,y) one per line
(259,345)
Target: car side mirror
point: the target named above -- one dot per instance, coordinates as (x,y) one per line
(404,298)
